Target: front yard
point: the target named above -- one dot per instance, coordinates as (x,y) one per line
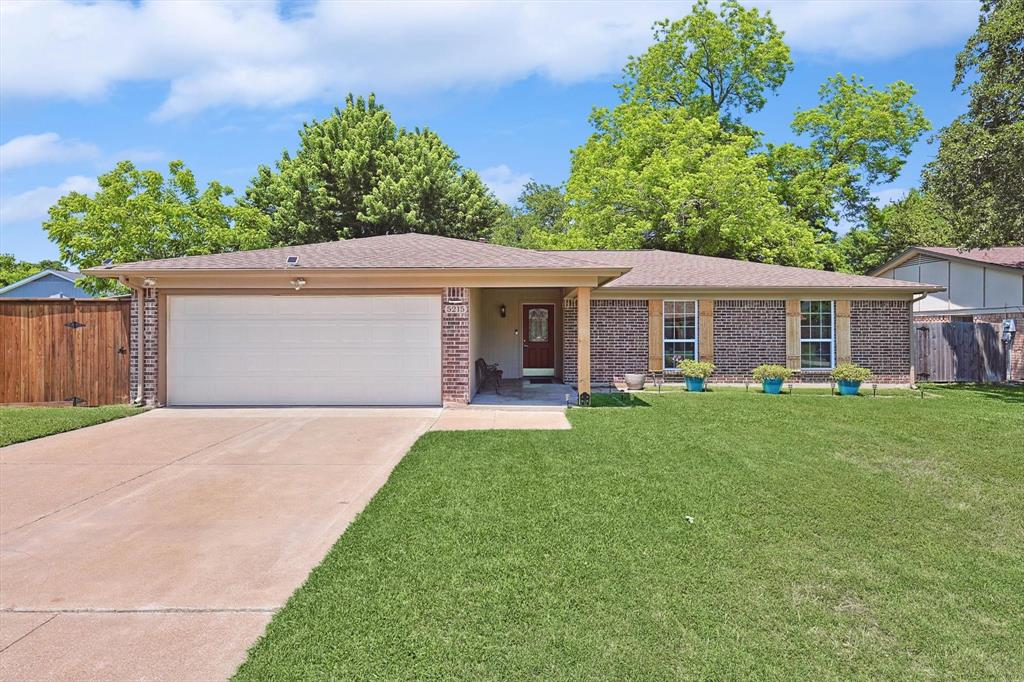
(830,537)
(19,424)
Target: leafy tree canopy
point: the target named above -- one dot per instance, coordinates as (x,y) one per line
(721,64)
(357,174)
(537,216)
(662,178)
(915,220)
(859,136)
(140,214)
(979,169)
(13,270)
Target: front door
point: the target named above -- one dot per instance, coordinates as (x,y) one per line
(538,340)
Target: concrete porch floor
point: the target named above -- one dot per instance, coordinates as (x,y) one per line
(523,393)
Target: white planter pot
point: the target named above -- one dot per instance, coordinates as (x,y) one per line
(635,382)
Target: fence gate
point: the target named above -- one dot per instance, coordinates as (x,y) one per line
(960,351)
(64,350)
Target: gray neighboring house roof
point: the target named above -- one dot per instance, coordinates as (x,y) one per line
(34,286)
(1002,256)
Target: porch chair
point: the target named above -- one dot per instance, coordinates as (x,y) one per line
(488,373)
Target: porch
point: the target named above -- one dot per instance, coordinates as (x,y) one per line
(526,392)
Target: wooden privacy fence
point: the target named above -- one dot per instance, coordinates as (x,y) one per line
(64,350)
(960,351)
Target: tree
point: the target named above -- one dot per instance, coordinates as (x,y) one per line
(13,270)
(979,169)
(710,64)
(661,178)
(859,136)
(139,215)
(914,220)
(538,214)
(357,174)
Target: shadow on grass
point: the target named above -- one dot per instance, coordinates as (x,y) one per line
(1008,393)
(617,400)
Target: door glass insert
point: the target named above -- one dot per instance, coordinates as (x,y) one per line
(538,331)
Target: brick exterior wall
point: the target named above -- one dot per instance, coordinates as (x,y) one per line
(151,339)
(618,339)
(880,339)
(748,334)
(455,360)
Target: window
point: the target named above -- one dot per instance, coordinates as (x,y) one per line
(817,335)
(538,331)
(680,338)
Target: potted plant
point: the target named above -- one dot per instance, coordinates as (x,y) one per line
(771,377)
(849,376)
(696,373)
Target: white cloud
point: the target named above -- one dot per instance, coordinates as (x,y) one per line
(34,204)
(890,195)
(249,54)
(31,150)
(504,182)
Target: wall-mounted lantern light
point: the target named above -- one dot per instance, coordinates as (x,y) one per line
(149,282)
(502,310)
(298,283)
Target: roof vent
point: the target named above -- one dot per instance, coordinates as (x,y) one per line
(292,261)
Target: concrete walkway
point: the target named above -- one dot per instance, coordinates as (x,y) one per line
(157,547)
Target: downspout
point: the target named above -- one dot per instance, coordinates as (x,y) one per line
(913,339)
(140,342)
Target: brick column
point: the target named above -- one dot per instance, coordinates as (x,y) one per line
(455,361)
(150,341)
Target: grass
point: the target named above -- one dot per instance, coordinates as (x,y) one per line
(18,424)
(856,538)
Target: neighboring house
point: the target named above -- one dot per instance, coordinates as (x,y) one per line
(981,285)
(400,320)
(46,284)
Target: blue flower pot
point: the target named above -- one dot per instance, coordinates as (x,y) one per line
(773,386)
(849,387)
(695,384)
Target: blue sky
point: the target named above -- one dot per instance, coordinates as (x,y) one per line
(225,87)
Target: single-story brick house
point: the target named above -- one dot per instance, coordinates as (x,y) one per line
(400,320)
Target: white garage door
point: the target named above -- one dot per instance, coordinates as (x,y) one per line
(304,350)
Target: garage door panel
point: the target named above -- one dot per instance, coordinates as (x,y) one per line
(279,350)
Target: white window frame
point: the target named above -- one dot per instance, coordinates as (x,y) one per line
(696,330)
(831,341)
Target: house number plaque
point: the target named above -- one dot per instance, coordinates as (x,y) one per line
(456,309)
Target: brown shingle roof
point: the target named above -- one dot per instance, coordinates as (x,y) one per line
(656,269)
(400,251)
(1007,256)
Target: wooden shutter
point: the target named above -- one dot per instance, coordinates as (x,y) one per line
(655,335)
(843,353)
(706,330)
(793,334)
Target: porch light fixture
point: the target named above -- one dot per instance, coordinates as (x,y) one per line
(149,282)
(502,310)
(298,283)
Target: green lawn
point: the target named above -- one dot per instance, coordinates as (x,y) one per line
(25,423)
(866,538)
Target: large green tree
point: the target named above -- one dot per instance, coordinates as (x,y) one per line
(537,216)
(915,220)
(858,136)
(13,270)
(979,169)
(357,174)
(662,178)
(708,63)
(141,214)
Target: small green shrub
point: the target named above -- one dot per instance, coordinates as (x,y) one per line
(850,372)
(764,372)
(695,368)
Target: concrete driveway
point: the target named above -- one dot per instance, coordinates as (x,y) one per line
(157,547)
